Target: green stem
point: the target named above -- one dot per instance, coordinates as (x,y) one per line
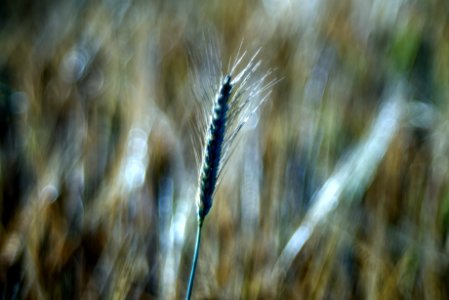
(195,260)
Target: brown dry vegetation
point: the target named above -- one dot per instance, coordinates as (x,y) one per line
(97,172)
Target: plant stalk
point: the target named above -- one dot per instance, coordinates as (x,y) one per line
(195,260)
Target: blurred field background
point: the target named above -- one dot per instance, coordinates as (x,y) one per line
(338,189)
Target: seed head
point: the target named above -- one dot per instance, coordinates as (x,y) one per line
(237,98)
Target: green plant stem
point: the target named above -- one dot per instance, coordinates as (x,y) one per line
(195,260)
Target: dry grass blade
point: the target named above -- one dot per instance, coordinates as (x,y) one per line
(351,176)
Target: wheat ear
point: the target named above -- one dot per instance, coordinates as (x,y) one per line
(210,167)
(237,99)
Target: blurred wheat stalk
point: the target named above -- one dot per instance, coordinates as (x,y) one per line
(97,173)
